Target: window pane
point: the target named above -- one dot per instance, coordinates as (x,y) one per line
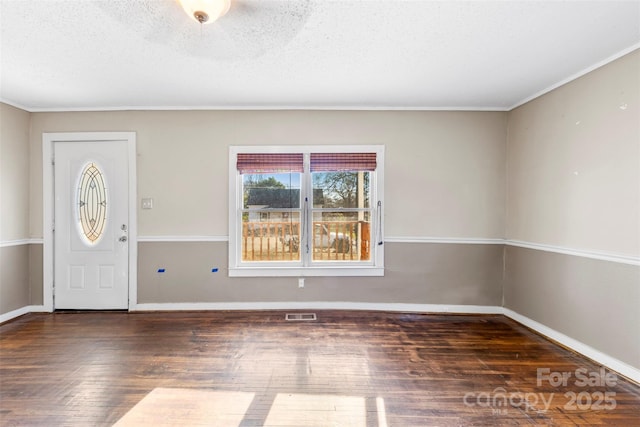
(341,236)
(270,236)
(271,191)
(341,190)
(271,219)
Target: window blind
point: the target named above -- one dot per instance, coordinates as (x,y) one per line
(338,162)
(270,162)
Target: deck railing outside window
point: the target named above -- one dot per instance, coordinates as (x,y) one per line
(282,241)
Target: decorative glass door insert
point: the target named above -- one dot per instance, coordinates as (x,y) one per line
(92,204)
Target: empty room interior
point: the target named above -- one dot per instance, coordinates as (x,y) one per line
(319,213)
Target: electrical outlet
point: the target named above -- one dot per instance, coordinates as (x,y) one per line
(301,282)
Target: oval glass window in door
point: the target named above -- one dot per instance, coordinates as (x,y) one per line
(92,204)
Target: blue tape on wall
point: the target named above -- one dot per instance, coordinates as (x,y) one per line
(214,270)
(161,270)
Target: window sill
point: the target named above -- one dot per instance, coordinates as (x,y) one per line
(307,272)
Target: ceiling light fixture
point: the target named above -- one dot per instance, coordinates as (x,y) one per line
(205,11)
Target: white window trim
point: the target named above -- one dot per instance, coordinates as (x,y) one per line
(238,269)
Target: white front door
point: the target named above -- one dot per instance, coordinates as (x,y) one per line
(91,245)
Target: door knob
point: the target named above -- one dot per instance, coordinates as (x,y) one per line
(123,239)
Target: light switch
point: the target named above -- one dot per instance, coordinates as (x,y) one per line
(147,203)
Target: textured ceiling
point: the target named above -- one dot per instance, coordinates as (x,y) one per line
(119,54)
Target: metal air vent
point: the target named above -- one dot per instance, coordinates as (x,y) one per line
(300,316)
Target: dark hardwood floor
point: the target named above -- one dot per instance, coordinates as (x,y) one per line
(255,368)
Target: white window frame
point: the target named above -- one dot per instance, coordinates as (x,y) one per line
(375,267)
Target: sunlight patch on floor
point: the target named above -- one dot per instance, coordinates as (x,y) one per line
(180,406)
(317,410)
(193,407)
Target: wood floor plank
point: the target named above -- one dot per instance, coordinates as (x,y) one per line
(254,369)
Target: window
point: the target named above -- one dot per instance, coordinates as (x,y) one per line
(306,211)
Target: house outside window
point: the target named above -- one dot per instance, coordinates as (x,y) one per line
(306,211)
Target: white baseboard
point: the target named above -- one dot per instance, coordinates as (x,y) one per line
(13,314)
(21,311)
(322,305)
(580,347)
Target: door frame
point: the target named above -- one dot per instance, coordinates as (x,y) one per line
(49,139)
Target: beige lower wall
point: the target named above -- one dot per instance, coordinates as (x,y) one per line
(14,278)
(417,273)
(35,275)
(455,274)
(595,302)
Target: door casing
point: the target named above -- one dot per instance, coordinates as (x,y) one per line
(48,142)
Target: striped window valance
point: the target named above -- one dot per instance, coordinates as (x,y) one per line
(270,162)
(333,162)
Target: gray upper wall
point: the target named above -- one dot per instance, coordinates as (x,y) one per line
(573,158)
(14,173)
(444,171)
